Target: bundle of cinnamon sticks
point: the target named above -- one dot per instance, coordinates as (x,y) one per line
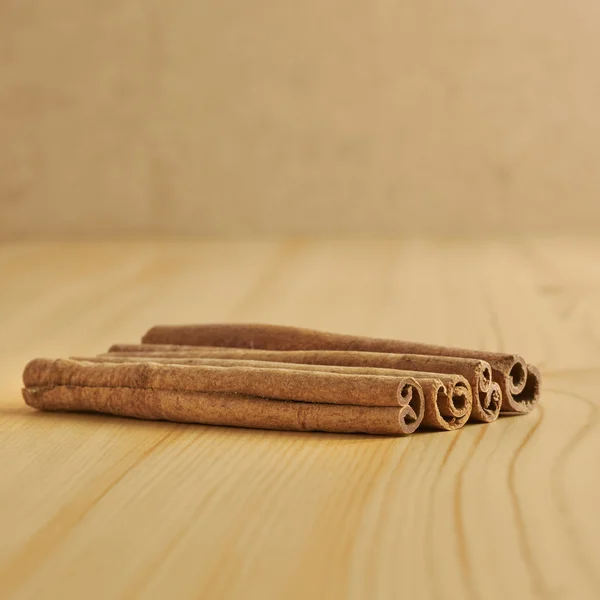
(278,377)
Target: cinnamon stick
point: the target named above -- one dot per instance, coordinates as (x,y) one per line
(392,405)
(236,410)
(448,397)
(290,384)
(486,396)
(518,381)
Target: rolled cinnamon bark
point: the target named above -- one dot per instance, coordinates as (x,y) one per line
(279,384)
(448,397)
(236,410)
(486,397)
(519,382)
(447,406)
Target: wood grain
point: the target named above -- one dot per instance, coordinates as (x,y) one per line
(102,507)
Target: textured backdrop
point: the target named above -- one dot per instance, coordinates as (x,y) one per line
(286,117)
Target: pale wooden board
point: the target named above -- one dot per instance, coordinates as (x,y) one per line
(100,507)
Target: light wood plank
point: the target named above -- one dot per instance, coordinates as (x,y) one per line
(103,507)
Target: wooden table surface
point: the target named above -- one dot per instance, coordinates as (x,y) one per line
(104,507)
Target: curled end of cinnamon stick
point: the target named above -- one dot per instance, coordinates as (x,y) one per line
(488,405)
(412,403)
(520,386)
(487,395)
(529,396)
(447,406)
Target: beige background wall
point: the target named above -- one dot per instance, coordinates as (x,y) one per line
(313,117)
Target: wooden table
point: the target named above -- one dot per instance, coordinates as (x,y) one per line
(102,507)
